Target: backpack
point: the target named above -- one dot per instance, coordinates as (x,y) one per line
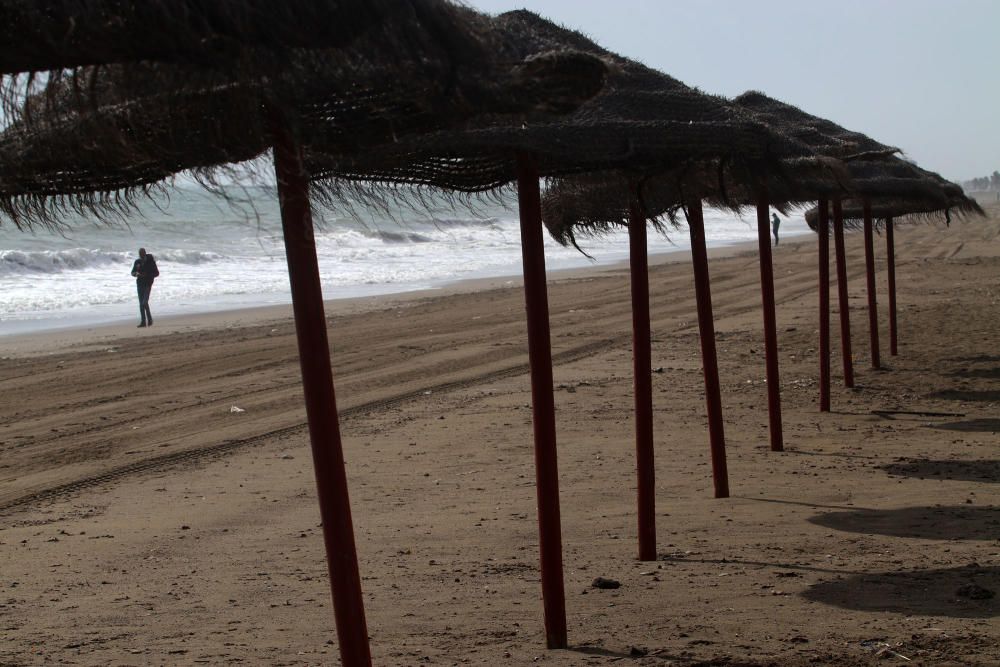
(150,267)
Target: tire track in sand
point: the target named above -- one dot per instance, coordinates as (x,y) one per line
(194,456)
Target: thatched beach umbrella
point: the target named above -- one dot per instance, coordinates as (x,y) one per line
(642,121)
(874,171)
(902,210)
(891,178)
(56,156)
(885,212)
(829,139)
(594,204)
(144,121)
(59,34)
(876,179)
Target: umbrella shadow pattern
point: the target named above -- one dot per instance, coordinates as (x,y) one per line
(982,425)
(987,470)
(983,373)
(967,395)
(957,522)
(961,592)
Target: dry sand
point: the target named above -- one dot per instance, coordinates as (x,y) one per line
(143,522)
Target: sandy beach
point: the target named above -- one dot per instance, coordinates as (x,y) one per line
(157,502)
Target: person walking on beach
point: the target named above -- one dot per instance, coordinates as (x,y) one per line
(145,271)
(775,223)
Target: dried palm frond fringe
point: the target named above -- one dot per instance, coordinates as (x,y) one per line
(846,163)
(58,34)
(814,130)
(902,211)
(643,122)
(97,147)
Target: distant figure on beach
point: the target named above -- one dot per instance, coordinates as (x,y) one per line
(775,223)
(145,271)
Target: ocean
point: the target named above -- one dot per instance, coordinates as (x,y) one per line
(213,256)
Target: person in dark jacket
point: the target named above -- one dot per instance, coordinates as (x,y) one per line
(775,223)
(145,271)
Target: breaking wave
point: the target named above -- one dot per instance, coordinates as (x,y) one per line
(14,262)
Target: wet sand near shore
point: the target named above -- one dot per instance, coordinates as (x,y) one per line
(143,520)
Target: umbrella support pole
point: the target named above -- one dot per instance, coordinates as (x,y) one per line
(770,325)
(321,406)
(542,401)
(842,296)
(824,306)
(710,362)
(642,380)
(870,270)
(891,262)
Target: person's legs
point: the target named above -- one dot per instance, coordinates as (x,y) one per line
(142,306)
(144,313)
(149,315)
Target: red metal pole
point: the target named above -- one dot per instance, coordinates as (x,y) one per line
(870,269)
(845,309)
(770,325)
(542,401)
(824,306)
(891,255)
(710,363)
(321,405)
(643,380)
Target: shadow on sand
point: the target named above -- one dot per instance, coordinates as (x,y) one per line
(985,373)
(977,359)
(990,395)
(961,592)
(965,471)
(959,522)
(986,425)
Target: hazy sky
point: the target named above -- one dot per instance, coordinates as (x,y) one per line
(923,75)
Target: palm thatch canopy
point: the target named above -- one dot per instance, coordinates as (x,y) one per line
(69,44)
(890,192)
(58,34)
(642,120)
(895,178)
(848,163)
(902,210)
(824,135)
(595,204)
(875,169)
(94,140)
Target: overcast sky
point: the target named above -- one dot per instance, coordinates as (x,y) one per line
(923,75)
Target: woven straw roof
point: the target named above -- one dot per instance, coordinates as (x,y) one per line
(69,44)
(57,34)
(643,120)
(824,135)
(940,202)
(594,204)
(875,169)
(906,210)
(93,141)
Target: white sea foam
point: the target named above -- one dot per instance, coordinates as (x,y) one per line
(211,258)
(13,262)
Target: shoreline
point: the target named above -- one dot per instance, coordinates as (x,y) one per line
(95,336)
